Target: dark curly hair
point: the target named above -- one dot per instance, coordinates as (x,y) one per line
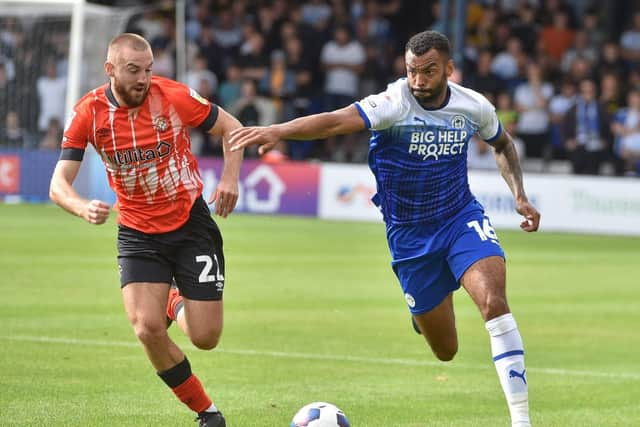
(423,42)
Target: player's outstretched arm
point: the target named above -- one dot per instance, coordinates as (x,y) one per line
(225,195)
(509,165)
(317,126)
(62,193)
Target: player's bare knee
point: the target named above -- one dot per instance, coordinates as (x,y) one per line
(445,354)
(149,332)
(206,341)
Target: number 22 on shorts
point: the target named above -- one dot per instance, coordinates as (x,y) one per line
(205,277)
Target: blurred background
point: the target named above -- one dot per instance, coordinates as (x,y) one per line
(269,61)
(563,74)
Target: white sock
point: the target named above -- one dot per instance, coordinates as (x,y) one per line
(508,357)
(211,408)
(179,310)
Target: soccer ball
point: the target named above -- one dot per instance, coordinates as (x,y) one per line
(319,414)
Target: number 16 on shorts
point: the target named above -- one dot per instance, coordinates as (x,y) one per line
(486,231)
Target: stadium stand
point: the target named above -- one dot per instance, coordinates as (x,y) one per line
(525,50)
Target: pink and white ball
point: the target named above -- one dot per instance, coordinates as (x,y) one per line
(320,414)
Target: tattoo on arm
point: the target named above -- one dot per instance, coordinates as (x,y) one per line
(509,165)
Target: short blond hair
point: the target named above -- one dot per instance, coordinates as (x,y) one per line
(130,40)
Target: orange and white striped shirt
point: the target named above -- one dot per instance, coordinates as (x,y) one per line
(146,150)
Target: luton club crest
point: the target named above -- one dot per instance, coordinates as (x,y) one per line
(160,124)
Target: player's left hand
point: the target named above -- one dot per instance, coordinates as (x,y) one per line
(531,215)
(225,196)
(266,137)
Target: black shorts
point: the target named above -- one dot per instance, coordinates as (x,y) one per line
(191,254)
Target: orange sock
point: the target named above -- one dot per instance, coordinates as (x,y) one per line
(192,394)
(174,304)
(186,386)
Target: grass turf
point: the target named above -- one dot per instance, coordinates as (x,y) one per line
(313,312)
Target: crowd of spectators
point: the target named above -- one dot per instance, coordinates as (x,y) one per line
(564,75)
(33,79)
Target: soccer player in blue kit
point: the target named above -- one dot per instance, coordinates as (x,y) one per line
(438,234)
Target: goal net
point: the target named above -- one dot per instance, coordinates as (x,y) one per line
(51,53)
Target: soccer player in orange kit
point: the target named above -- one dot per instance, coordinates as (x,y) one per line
(138,123)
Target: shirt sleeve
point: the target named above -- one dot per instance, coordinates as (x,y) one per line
(490,128)
(77,129)
(380,111)
(194,110)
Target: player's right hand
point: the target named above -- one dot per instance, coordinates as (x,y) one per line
(96,212)
(266,137)
(531,216)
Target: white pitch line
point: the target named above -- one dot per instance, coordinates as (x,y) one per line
(339,358)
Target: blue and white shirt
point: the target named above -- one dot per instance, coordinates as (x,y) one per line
(419,156)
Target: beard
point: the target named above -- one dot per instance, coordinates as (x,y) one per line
(427,97)
(133,96)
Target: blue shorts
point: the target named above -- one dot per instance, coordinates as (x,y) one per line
(429,259)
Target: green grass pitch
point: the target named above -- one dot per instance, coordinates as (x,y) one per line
(313,312)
